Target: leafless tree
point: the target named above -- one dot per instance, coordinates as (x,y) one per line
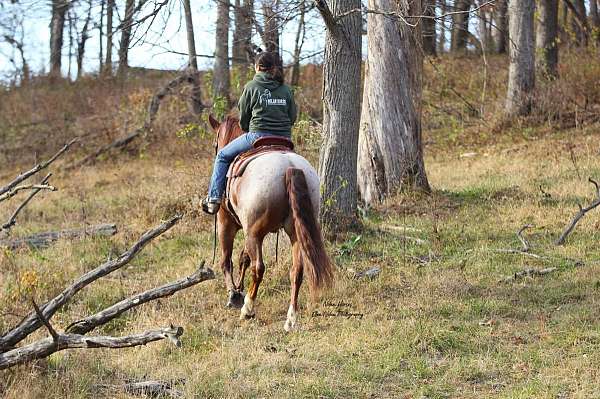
(341,111)
(270,34)
(390,155)
(500,31)
(196,97)
(429,36)
(547,38)
(57,25)
(521,72)
(242,53)
(460,26)
(82,39)
(127,25)
(221,81)
(298,43)
(110,6)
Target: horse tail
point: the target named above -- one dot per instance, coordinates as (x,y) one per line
(317,266)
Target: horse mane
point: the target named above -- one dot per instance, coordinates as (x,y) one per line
(231,128)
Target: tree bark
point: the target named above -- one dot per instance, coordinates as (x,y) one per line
(57,25)
(442,24)
(271,25)
(500,31)
(196,95)
(125,38)
(82,40)
(221,83)
(341,113)
(101,36)
(110,6)
(521,72)
(299,42)
(242,53)
(390,155)
(578,23)
(547,39)
(595,18)
(429,37)
(460,26)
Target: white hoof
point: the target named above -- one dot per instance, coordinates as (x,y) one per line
(247,311)
(291,324)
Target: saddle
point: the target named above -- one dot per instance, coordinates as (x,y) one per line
(262,146)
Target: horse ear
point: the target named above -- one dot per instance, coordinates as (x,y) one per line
(213,122)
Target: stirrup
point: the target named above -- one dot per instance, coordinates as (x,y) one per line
(210,207)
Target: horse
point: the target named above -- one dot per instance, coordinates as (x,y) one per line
(276,190)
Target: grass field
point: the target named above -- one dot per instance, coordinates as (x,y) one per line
(439,321)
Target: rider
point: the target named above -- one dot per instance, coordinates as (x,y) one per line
(267,108)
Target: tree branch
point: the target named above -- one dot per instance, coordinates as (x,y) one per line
(582,211)
(13,218)
(328,18)
(35,169)
(89,323)
(32,322)
(14,191)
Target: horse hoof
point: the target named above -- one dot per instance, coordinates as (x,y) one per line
(236,300)
(289,327)
(245,316)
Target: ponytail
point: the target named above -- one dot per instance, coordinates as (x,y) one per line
(271,63)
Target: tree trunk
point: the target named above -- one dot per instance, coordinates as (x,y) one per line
(221,66)
(125,38)
(460,26)
(196,96)
(300,35)
(595,18)
(500,32)
(578,23)
(390,155)
(271,25)
(442,24)
(242,53)
(110,6)
(521,72)
(82,40)
(101,36)
(341,113)
(57,25)
(546,39)
(429,27)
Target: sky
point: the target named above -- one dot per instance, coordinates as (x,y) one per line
(155,49)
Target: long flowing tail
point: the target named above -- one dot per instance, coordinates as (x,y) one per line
(317,265)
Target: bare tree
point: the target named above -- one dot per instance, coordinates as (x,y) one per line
(82,39)
(270,35)
(341,111)
(500,31)
(546,38)
(595,19)
(442,21)
(460,26)
(390,155)
(298,43)
(127,25)
(12,32)
(196,97)
(221,83)
(242,53)
(579,23)
(57,25)
(429,37)
(521,72)
(110,6)
(100,27)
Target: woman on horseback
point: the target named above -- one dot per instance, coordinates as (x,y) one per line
(267,108)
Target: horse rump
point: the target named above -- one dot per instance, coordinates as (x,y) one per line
(317,266)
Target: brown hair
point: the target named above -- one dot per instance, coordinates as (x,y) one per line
(271,63)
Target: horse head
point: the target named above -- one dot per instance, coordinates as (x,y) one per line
(226,131)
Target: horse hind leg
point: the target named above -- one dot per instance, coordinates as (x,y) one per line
(291,323)
(254,251)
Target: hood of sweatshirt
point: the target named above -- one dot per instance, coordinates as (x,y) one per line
(266,80)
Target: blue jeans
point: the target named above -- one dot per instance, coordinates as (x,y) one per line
(225,157)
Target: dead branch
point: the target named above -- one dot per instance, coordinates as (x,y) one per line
(13,218)
(189,76)
(147,388)
(32,321)
(46,347)
(89,323)
(526,246)
(14,191)
(582,211)
(42,240)
(529,272)
(35,169)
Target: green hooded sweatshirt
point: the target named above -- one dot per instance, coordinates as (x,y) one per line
(267,106)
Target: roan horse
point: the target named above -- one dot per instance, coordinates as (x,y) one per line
(276,190)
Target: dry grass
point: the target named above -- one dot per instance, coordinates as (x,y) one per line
(436,322)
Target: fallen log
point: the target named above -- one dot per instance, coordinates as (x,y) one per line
(530,273)
(41,240)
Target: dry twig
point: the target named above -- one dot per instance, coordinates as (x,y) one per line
(582,211)
(13,218)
